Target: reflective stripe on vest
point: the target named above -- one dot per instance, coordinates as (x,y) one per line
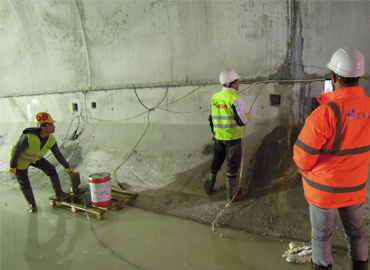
(331,189)
(334,151)
(29,157)
(223,116)
(225,125)
(33,153)
(339,153)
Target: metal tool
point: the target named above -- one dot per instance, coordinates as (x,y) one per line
(75,182)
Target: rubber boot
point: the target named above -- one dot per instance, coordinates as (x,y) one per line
(59,193)
(359,265)
(231,186)
(232,189)
(316,267)
(209,184)
(28,195)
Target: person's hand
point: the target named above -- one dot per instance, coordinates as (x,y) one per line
(249,116)
(12,171)
(69,170)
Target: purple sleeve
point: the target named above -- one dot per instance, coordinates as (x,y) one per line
(59,156)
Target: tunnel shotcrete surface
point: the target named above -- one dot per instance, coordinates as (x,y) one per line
(130,82)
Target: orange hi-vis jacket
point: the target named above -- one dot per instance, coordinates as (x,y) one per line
(333,149)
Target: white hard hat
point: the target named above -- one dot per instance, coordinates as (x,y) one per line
(347,62)
(227,76)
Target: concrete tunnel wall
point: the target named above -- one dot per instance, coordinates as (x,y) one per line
(97,66)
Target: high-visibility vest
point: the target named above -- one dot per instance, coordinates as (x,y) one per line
(33,153)
(333,150)
(225,126)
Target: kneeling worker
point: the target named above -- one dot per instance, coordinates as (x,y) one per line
(32,145)
(227,120)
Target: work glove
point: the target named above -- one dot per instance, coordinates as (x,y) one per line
(69,170)
(12,171)
(249,116)
(298,253)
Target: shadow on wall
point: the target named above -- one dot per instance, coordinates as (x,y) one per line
(274,203)
(275,199)
(272,159)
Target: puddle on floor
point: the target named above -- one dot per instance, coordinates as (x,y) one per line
(56,238)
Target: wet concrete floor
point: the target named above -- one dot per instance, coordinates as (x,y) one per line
(130,238)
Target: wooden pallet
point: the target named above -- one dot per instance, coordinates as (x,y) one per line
(119,198)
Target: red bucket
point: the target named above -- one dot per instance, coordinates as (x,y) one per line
(100,189)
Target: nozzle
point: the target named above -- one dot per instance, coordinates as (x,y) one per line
(75,181)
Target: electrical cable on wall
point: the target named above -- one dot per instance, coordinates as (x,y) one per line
(132,150)
(275,69)
(142,134)
(75,135)
(139,98)
(194,90)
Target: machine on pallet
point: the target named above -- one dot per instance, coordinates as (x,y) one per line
(75,182)
(98,197)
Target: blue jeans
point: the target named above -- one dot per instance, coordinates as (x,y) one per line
(322,221)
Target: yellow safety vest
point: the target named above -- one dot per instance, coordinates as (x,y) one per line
(225,126)
(33,153)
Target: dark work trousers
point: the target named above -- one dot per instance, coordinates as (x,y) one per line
(230,150)
(322,221)
(42,164)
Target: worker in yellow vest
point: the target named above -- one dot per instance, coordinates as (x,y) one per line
(227,120)
(32,145)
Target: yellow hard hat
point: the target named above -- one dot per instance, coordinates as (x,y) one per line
(43,117)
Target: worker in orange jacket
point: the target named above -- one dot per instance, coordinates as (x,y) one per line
(332,154)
